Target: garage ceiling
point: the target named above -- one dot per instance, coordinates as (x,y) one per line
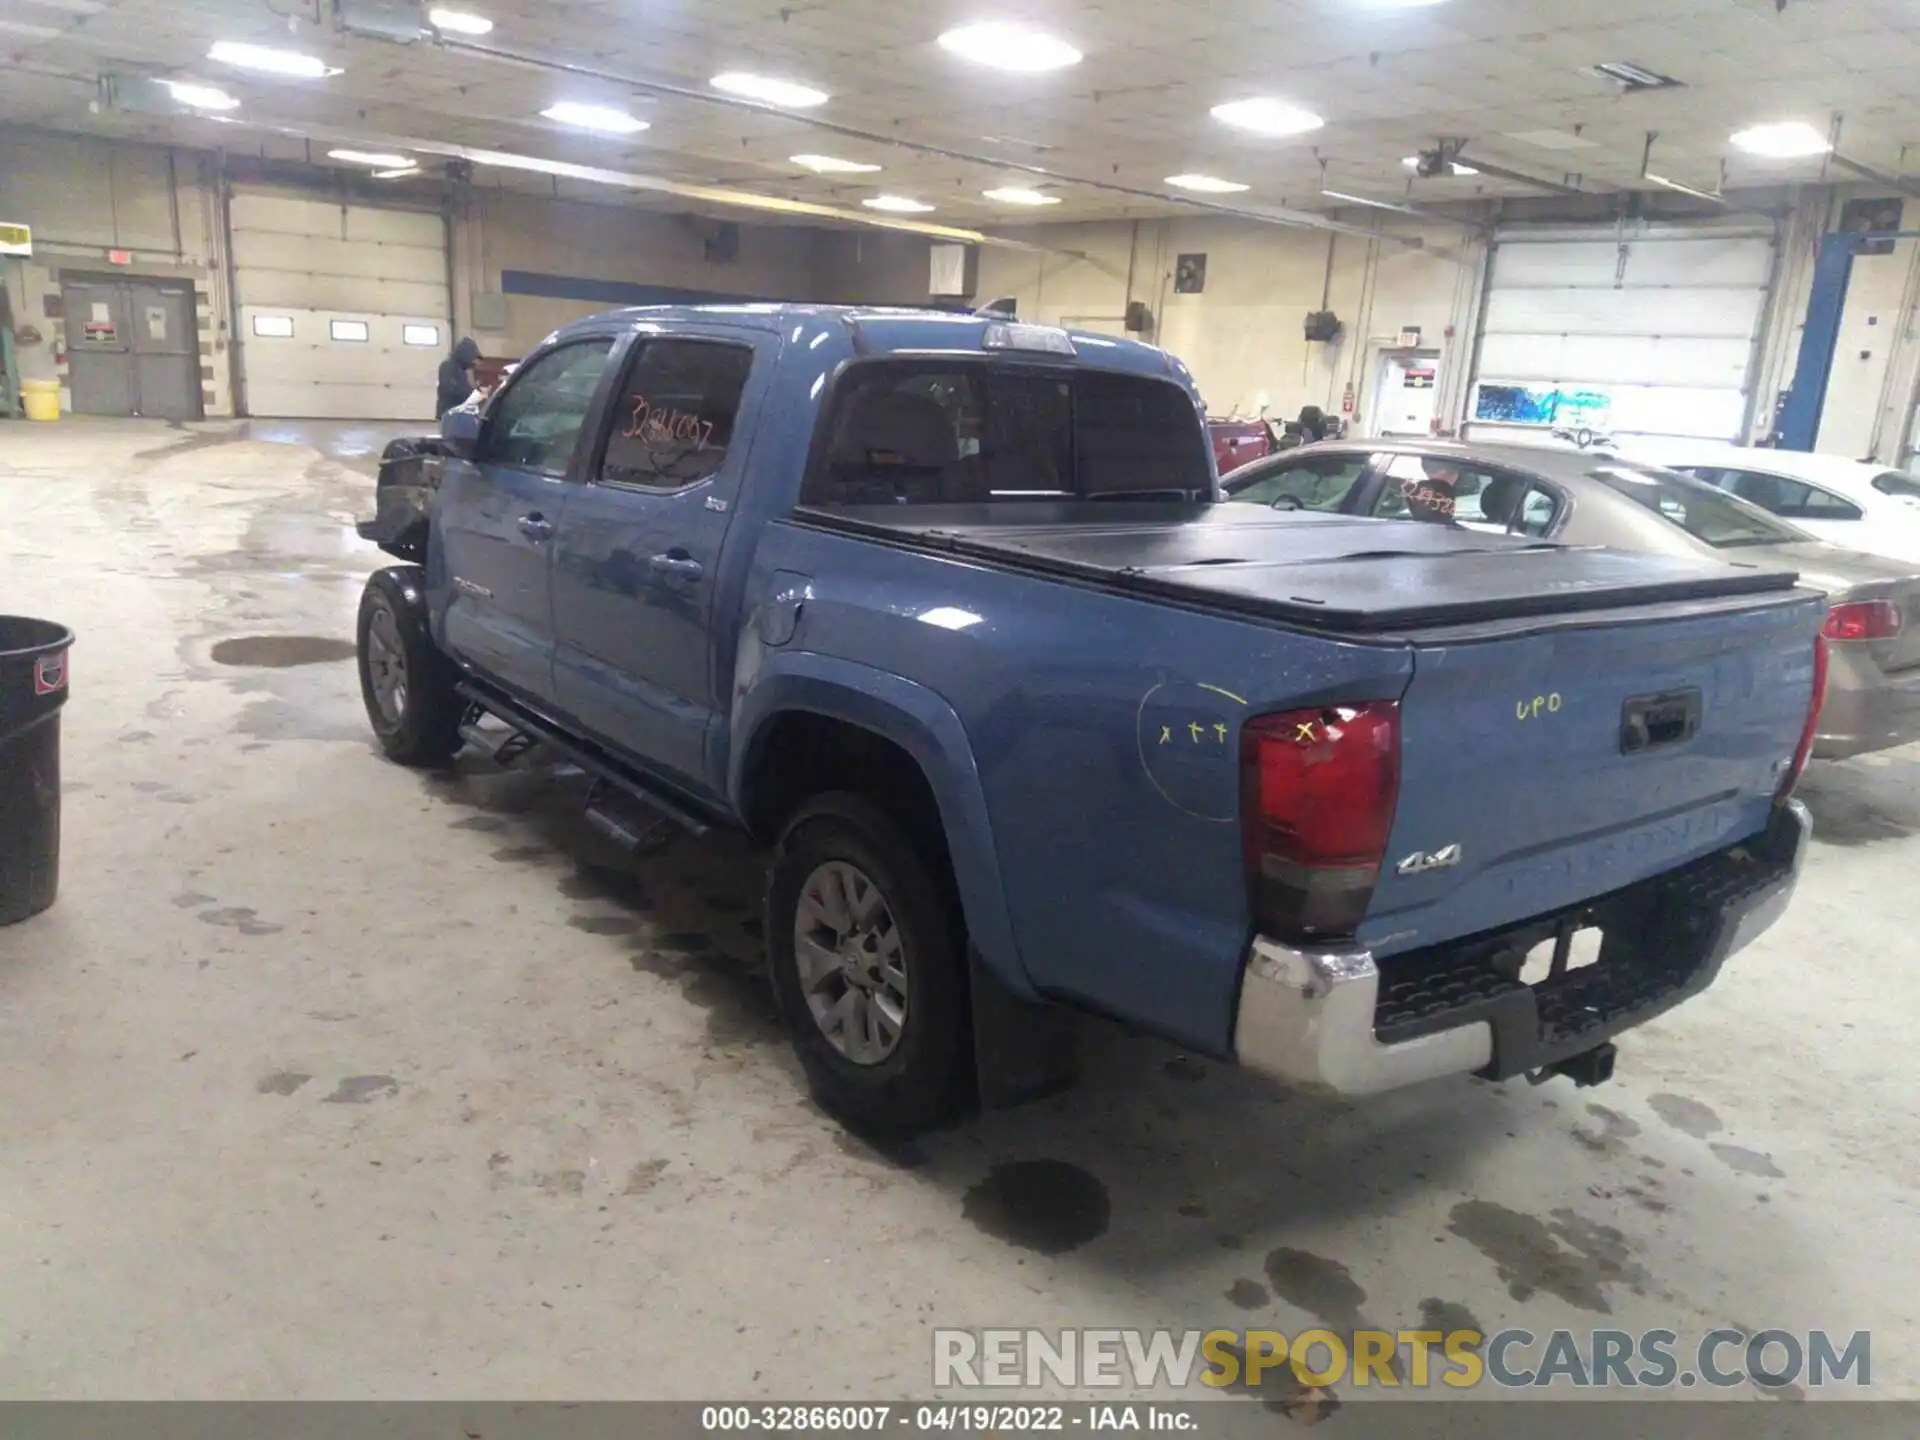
(1506,73)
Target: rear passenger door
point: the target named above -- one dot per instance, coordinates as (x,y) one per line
(496,515)
(640,555)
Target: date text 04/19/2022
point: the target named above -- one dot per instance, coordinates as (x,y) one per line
(960,1418)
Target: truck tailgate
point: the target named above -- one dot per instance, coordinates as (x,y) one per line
(1543,768)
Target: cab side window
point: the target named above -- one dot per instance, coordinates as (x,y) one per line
(536,421)
(672,422)
(1312,482)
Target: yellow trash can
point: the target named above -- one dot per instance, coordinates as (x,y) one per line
(42,399)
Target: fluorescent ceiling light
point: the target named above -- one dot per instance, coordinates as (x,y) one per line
(1006,46)
(31,31)
(768,90)
(601,119)
(1207,184)
(833,165)
(459,22)
(201,97)
(404,172)
(1017,195)
(897,205)
(1460,167)
(270,61)
(1787,140)
(1342,196)
(1264,115)
(377,159)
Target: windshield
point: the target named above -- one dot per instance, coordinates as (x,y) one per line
(1703,512)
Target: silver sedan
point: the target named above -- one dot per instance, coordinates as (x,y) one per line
(1576,498)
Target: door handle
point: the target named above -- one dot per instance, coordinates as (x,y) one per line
(536,527)
(676,566)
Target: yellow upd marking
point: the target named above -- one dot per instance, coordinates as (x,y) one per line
(1530,709)
(1228,693)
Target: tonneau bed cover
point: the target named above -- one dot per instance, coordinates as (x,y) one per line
(1330,572)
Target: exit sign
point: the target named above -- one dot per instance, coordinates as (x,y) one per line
(119,257)
(16,239)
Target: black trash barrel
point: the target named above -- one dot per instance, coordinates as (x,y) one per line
(33,687)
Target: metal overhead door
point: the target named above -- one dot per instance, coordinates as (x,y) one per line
(1651,333)
(343,308)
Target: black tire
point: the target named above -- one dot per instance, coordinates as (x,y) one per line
(920,1083)
(423,728)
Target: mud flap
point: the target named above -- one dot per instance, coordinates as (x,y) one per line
(1022,1050)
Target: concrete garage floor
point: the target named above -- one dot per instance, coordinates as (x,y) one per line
(328,1079)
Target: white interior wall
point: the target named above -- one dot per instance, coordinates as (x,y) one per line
(1243,335)
(85,197)
(500,230)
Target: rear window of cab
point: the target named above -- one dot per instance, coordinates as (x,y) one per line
(962,432)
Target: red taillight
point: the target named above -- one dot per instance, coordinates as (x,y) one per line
(1805,752)
(1864,620)
(1318,789)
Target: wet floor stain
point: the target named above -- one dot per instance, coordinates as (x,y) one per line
(191,900)
(1324,1288)
(1615,1130)
(897,1154)
(363,1090)
(239,917)
(1193,1210)
(644,1176)
(484,824)
(1448,1316)
(1279,1390)
(1574,1258)
(1183,1069)
(1249,1294)
(281,1082)
(281,652)
(1686,1115)
(1048,1206)
(560,1182)
(1748,1162)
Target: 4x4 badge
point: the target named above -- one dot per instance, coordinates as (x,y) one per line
(1419,864)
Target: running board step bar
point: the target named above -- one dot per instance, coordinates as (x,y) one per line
(632,824)
(503,747)
(635,790)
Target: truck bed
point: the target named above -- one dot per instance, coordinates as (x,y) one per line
(1333,573)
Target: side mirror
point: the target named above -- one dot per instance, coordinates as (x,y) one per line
(460,429)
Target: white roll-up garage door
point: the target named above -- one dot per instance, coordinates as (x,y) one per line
(1652,333)
(343,309)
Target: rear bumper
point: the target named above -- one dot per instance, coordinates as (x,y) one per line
(1339,1021)
(1866,709)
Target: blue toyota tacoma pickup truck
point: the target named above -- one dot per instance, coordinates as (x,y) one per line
(944,609)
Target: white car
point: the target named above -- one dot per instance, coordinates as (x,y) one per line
(1847,502)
